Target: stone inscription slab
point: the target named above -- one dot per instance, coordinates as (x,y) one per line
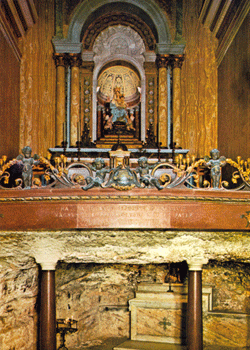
(208,216)
(123,215)
(38,216)
(162,215)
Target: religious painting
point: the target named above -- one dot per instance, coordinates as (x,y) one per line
(119,98)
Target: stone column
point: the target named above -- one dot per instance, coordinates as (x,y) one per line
(137,122)
(47,251)
(75,63)
(61,64)
(194,308)
(48,307)
(176,100)
(100,112)
(162,125)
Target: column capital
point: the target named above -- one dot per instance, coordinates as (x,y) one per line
(61,59)
(196,263)
(47,252)
(47,265)
(177,60)
(75,59)
(163,61)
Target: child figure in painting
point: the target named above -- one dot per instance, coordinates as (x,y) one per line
(215,163)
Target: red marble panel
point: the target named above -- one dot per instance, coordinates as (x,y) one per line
(33,216)
(72,209)
(123,215)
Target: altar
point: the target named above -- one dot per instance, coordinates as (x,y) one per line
(159,318)
(159,311)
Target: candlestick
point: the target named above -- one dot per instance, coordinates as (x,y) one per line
(63,327)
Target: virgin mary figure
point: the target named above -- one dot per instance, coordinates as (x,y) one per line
(118,107)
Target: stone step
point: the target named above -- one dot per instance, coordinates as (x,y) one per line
(109,140)
(115,137)
(143,345)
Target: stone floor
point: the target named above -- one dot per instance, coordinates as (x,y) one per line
(139,345)
(136,345)
(124,344)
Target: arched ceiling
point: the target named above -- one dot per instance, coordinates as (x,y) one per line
(96,24)
(144,16)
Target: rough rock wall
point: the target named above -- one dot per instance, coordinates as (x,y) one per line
(231,286)
(18,296)
(97,296)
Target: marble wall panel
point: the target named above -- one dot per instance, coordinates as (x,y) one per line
(38,83)
(198,85)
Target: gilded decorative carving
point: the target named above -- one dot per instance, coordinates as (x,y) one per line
(163,61)
(75,60)
(129,197)
(61,59)
(151,96)
(151,101)
(86,102)
(177,61)
(247,217)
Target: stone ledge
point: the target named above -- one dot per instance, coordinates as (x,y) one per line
(111,209)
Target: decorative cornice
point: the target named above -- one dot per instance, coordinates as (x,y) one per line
(170,49)
(127,197)
(9,34)
(66,46)
(224,19)
(232,30)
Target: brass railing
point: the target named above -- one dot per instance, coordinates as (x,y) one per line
(185,171)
